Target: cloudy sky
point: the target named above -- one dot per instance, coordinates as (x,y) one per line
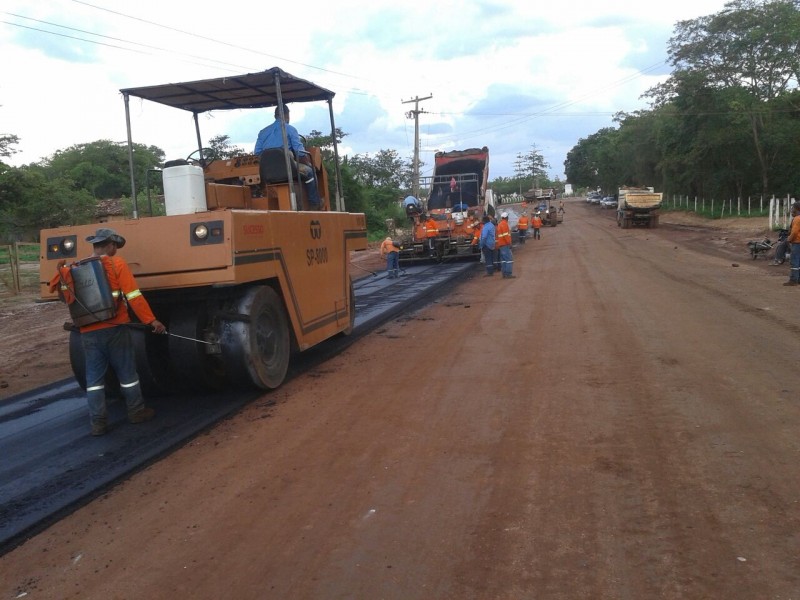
(508,74)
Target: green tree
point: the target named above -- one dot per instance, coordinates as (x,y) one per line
(223,148)
(594,161)
(750,46)
(101,167)
(324,142)
(7,140)
(381,181)
(386,169)
(532,165)
(30,201)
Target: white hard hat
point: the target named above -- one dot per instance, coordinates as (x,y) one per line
(504,215)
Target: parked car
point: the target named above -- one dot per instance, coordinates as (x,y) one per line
(608,202)
(596,199)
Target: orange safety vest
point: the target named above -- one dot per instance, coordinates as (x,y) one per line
(476,232)
(122,283)
(503,233)
(794,232)
(537,222)
(523,223)
(387,247)
(430,228)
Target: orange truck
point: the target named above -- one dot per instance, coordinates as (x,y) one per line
(457,191)
(240,270)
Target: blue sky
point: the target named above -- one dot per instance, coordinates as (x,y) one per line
(510,75)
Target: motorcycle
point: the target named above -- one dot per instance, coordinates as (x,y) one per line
(763,246)
(757,247)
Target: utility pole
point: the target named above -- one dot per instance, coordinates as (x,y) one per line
(414,114)
(519,170)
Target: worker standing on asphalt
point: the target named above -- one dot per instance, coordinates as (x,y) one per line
(475,228)
(504,246)
(522,227)
(536,222)
(794,240)
(108,343)
(431,231)
(487,244)
(392,255)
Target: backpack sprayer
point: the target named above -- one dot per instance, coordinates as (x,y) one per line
(94,301)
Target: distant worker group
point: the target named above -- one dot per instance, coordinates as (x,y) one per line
(495,244)
(435,235)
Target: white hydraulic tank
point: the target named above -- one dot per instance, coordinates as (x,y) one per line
(184,190)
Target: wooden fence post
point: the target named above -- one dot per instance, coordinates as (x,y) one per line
(13,260)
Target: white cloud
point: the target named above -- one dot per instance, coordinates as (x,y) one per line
(508,75)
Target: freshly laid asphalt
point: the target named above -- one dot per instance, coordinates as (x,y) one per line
(51,466)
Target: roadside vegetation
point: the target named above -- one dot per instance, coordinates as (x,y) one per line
(70,186)
(723,126)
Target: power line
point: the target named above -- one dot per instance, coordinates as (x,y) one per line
(162,51)
(99,35)
(209,39)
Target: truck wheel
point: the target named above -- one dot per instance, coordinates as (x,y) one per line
(256,346)
(198,369)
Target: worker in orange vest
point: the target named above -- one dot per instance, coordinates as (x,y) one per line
(107,343)
(391,253)
(522,227)
(431,232)
(475,228)
(536,222)
(504,246)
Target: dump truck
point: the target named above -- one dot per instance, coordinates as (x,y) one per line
(457,194)
(638,206)
(538,195)
(240,269)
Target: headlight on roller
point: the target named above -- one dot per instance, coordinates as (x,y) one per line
(205,233)
(201,232)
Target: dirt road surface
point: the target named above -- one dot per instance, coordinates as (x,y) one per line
(620,421)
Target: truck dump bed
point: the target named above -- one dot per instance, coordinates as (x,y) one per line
(469,169)
(640,200)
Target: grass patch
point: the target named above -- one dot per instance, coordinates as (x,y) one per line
(28,269)
(27,253)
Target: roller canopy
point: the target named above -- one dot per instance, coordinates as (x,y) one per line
(253,90)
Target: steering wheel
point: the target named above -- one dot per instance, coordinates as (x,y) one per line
(209,156)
